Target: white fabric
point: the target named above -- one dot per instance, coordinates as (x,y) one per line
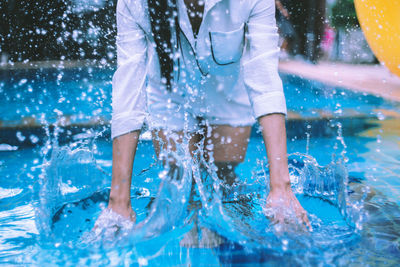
(235,56)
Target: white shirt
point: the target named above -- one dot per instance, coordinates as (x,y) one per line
(236,48)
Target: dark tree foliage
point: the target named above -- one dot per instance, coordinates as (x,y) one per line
(344,14)
(308,18)
(49,30)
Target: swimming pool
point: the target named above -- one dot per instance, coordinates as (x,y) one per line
(55,164)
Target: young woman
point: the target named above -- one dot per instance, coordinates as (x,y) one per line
(203,70)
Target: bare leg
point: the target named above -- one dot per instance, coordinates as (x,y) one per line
(285,45)
(229,146)
(162,141)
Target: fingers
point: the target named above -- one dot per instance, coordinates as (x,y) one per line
(299,217)
(303,217)
(287,211)
(306,221)
(282,222)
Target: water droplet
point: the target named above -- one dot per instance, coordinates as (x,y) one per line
(34,139)
(22,82)
(20,136)
(380,116)
(7,147)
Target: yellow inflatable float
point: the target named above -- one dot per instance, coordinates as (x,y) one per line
(380,22)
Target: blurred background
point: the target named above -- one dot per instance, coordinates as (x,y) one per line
(37,30)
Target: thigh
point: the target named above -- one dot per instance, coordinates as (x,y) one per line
(168,140)
(228,143)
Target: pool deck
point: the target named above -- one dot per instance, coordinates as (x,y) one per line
(54,64)
(373,79)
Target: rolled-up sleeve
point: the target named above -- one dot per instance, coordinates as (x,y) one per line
(129,81)
(260,62)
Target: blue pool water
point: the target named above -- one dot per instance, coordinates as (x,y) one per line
(55,165)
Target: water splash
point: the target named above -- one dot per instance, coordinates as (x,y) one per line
(73,193)
(70,174)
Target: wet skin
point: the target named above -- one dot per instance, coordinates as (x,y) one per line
(226,156)
(280,197)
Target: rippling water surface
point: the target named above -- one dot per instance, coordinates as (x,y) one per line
(48,210)
(344,170)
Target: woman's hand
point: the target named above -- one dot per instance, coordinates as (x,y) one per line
(119,213)
(282,204)
(116,217)
(283,207)
(122,208)
(124,150)
(111,223)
